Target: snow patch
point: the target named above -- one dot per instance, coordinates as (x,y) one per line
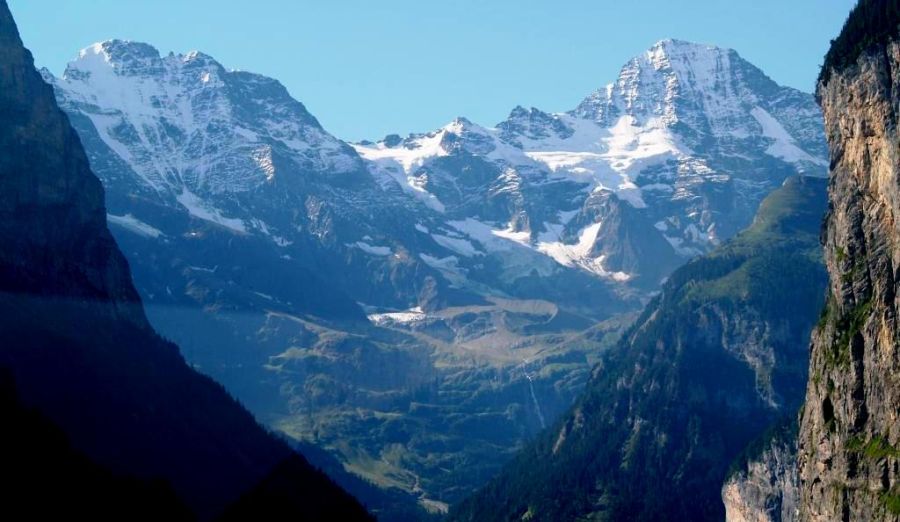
(381,251)
(199,209)
(132,224)
(413,315)
(461,246)
(783,145)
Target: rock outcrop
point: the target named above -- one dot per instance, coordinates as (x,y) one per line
(849,439)
(764,485)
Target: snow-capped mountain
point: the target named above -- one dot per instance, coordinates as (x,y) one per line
(196,118)
(690,138)
(181,136)
(183,127)
(657,167)
(464,264)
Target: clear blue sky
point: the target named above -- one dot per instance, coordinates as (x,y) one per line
(367,68)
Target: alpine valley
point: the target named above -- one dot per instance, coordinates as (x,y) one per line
(421,307)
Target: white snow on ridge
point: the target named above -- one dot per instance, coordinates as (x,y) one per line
(577,254)
(490,238)
(631,144)
(521,237)
(515,247)
(784,146)
(173,121)
(449,263)
(398,164)
(608,158)
(408,159)
(402,162)
(600,157)
(461,246)
(569,255)
(448,267)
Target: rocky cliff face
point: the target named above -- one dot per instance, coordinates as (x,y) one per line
(47,181)
(850,436)
(765,485)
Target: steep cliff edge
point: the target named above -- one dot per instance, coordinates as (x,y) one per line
(101,400)
(52,217)
(849,443)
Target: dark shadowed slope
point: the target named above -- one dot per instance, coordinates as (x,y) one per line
(53,480)
(74,338)
(716,358)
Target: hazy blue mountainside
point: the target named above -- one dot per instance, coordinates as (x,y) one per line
(714,360)
(421,307)
(96,398)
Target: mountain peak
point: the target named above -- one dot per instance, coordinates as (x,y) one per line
(518,110)
(711,90)
(684,58)
(113,57)
(197,57)
(676,46)
(119,51)
(533,124)
(125,57)
(462,127)
(460,124)
(242,119)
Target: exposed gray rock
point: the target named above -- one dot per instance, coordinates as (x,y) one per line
(766,485)
(850,436)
